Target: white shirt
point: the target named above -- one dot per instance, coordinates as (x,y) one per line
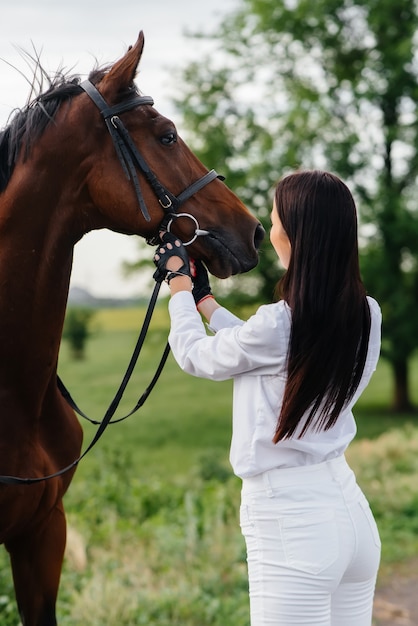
(254,353)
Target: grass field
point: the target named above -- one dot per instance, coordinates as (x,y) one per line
(153,509)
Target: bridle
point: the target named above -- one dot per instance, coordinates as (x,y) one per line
(131,160)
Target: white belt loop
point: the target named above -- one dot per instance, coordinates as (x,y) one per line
(267,485)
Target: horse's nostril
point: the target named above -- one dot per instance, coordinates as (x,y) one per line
(259,236)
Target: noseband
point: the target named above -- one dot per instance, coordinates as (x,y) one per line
(131,160)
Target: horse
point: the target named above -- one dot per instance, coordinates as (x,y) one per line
(81,156)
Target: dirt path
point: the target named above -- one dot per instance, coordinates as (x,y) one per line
(396,600)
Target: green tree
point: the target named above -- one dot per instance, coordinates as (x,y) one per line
(77,330)
(330,84)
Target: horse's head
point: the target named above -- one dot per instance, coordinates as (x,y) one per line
(160,175)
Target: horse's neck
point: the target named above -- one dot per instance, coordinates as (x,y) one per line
(35,266)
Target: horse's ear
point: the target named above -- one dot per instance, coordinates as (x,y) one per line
(121,75)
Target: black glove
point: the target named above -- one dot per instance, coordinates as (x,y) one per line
(201,286)
(171,246)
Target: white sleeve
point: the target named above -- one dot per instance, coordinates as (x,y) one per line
(222,318)
(251,347)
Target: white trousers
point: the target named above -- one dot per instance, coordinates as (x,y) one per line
(313,548)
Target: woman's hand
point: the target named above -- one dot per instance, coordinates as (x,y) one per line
(171,259)
(201,286)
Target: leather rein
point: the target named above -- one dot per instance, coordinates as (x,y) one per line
(131,160)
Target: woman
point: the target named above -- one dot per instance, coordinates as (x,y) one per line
(299,365)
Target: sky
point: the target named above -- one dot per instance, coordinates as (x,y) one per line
(73,35)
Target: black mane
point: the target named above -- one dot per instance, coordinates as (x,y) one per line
(28,124)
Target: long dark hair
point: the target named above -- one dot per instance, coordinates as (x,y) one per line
(322,285)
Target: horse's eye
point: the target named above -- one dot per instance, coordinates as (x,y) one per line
(169,138)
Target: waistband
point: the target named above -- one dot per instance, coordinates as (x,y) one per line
(289,476)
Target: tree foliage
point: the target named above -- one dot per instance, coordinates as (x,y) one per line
(77,330)
(327,85)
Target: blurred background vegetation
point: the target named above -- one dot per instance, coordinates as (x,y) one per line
(327,85)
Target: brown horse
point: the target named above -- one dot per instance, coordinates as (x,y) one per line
(63,174)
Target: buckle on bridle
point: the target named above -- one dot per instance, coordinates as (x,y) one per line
(168,205)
